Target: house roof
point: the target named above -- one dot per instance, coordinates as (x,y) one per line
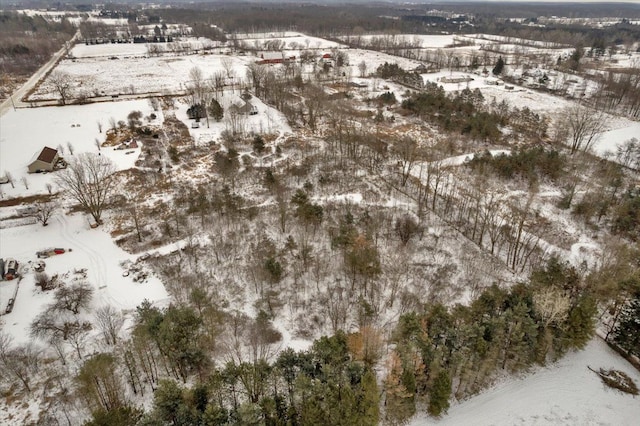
(47,154)
(243,108)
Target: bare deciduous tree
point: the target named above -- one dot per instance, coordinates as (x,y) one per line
(628,153)
(362,67)
(89,180)
(584,126)
(406,227)
(552,305)
(407,151)
(73,298)
(21,362)
(216,82)
(62,83)
(227,65)
(109,321)
(134,120)
(44,211)
(51,324)
(196,85)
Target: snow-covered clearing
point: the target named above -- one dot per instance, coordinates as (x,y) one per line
(565,393)
(26,131)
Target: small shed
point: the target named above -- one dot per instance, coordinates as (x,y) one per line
(45,160)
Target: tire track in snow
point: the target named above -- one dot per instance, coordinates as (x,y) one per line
(96,262)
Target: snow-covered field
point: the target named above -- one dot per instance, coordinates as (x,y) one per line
(96,74)
(289,39)
(565,393)
(137,49)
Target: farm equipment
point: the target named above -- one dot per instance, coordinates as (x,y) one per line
(43,254)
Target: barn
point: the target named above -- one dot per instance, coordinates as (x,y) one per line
(45,160)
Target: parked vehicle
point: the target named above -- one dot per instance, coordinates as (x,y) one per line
(11,269)
(10,306)
(43,254)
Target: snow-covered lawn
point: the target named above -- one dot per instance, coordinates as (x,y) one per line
(565,393)
(26,131)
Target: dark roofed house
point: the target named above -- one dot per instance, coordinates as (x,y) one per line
(44,161)
(247,109)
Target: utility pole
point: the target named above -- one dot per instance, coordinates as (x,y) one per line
(14,105)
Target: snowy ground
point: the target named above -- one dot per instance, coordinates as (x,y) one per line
(565,393)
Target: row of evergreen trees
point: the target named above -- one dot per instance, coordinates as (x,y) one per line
(443,352)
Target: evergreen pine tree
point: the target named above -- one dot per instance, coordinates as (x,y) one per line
(369,400)
(439,395)
(215,110)
(627,334)
(497,70)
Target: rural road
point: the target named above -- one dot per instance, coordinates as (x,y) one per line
(29,84)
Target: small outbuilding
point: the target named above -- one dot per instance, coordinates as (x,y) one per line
(45,160)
